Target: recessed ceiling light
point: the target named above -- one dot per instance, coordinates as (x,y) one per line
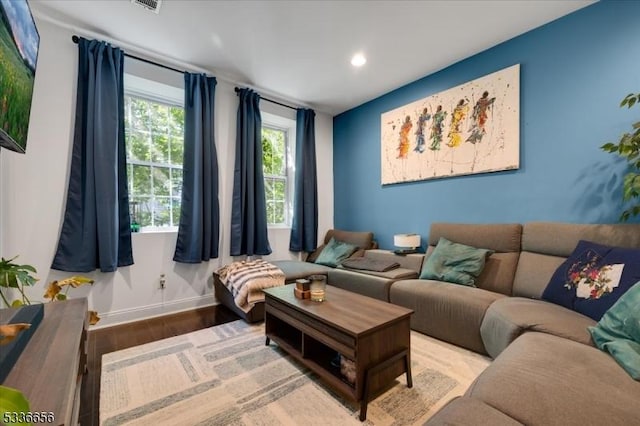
(358,60)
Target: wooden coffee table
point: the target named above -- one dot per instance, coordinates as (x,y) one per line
(373,334)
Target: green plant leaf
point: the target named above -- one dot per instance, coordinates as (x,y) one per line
(631,102)
(16,303)
(61,296)
(12,401)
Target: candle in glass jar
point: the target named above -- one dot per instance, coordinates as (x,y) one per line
(317,287)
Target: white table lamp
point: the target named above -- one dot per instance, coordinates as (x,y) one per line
(408,243)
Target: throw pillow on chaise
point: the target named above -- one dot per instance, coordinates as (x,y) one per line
(335,252)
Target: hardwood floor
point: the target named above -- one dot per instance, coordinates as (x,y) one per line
(137,333)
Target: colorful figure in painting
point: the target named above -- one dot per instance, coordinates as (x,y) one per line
(458,114)
(403,147)
(480,117)
(422,120)
(436,128)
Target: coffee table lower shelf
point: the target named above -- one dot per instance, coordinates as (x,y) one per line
(315,348)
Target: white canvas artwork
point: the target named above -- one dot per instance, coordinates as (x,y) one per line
(468,129)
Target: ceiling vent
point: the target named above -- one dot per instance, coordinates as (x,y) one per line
(152,5)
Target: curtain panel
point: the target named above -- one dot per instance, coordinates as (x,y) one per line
(199,229)
(304,226)
(96,231)
(249,211)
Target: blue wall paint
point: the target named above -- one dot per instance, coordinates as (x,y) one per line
(574,72)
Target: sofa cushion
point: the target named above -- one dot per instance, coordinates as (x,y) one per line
(363,240)
(503,239)
(593,278)
(545,245)
(372,284)
(294,269)
(542,379)
(455,263)
(335,252)
(446,311)
(618,332)
(463,411)
(508,318)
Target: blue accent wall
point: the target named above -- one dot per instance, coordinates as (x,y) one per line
(574,73)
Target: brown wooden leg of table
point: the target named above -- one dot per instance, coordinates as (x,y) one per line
(407,366)
(381,366)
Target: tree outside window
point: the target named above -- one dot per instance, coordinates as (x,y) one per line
(274,167)
(154,133)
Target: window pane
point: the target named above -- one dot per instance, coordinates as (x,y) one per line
(159,118)
(273,151)
(176,149)
(141,210)
(138,144)
(278,212)
(161,181)
(176,121)
(176,182)
(141,180)
(278,190)
(139,114)
(159,148)
(176,210)
(161,211)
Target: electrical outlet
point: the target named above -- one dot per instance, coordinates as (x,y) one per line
(163,281)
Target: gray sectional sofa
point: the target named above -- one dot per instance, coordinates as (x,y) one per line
(546,370)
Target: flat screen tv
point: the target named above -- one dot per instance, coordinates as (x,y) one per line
(19,42)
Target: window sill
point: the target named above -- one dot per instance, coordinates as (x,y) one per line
(167,230)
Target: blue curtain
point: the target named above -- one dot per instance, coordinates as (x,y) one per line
(96,231)
(199,231)
(304,227)
(249,210)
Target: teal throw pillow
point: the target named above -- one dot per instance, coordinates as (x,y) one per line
(335,252)
(618,331)
(455,263)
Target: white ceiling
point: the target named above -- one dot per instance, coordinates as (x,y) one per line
(300,51)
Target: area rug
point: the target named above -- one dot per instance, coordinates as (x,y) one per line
(225,375)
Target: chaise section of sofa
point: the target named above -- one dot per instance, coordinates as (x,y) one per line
(541,379)
(545,245)
(454,312)
(377,284)
(295,269)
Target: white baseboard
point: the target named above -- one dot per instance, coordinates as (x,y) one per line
(108,319)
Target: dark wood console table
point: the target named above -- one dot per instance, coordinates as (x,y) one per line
(49,370)
(373,334)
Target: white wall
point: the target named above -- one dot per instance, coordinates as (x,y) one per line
(33,193)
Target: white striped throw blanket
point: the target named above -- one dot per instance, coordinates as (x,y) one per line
(246,279)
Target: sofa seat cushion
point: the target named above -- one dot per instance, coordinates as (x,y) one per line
(294,269)
(508,318)
(446,311)
(542,379)
(464,411)
(372,284)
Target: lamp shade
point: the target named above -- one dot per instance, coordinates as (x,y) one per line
(406,240)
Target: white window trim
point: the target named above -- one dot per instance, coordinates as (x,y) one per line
(164,94)
(289,125)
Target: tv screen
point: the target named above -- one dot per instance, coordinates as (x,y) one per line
(19,42)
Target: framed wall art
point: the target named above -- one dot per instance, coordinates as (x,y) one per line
(468,129)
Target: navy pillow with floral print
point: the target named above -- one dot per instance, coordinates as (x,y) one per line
(592,279)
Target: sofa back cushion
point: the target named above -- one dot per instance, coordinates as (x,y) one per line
(503,239)
(546,245)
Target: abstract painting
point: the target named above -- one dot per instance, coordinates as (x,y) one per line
(468,129)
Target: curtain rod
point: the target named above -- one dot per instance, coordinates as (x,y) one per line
(272,101)
(76,39)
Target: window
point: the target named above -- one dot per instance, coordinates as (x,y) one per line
(154,134)
(277,141)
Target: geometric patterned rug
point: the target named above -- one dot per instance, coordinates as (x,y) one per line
(225,375)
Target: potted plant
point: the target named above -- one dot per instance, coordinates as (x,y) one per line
(629,148)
